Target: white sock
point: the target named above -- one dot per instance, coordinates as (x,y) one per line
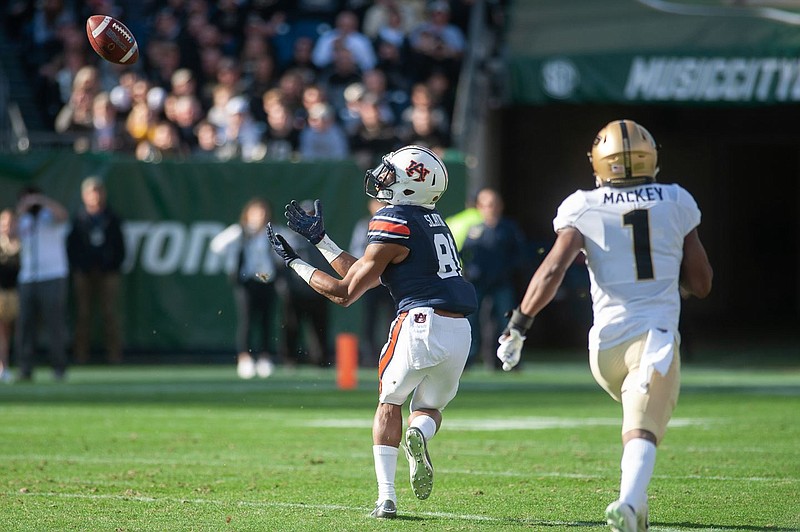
(385,469)
(638,462)
(426,425)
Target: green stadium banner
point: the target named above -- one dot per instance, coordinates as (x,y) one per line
(176,296)
(688,52)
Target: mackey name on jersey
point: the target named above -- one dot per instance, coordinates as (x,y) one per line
(638,195)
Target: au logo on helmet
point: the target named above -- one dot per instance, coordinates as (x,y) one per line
(415,167)
(412,175)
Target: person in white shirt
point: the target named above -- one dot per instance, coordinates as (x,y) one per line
(643,253)
(43,226)
(251,265)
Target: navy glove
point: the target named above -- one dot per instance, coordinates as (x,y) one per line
(307,225)
(281,246)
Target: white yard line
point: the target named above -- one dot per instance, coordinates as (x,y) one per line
(274,504)
(6,458)
(506,423)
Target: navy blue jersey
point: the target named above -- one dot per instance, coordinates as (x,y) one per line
(430,276)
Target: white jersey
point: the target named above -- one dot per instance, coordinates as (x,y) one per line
(633,241)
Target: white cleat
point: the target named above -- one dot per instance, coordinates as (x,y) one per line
(384,510)
(642,519)
(621,517)
(419,462)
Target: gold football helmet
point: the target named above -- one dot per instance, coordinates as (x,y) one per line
(624,154)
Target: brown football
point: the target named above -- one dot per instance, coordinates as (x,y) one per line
(112,40)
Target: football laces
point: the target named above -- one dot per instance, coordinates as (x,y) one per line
(122,30)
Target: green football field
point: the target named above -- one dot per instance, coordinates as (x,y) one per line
(180,448)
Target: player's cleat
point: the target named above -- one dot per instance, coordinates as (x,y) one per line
(621,517)
(642,519)
(421,470)
(384,510)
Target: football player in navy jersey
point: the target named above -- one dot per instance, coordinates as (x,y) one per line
(410,250)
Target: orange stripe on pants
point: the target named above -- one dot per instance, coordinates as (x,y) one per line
(389,352)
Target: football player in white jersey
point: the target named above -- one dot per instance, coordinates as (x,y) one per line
(643,254)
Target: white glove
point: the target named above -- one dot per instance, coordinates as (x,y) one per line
(510,349)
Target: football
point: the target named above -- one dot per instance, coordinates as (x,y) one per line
(112,40)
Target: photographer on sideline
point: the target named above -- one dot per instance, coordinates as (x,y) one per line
(43,279)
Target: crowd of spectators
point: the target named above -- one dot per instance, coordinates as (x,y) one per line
(249,79)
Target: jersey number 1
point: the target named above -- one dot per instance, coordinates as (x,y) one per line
(639,220)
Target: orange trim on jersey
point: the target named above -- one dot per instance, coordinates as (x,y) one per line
(389,352)
(389,227)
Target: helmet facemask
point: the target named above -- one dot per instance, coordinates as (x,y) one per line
(378,180)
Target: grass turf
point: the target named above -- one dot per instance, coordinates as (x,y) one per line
(194,448)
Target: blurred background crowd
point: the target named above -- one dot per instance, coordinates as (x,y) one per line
(249,79)
(511,92)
